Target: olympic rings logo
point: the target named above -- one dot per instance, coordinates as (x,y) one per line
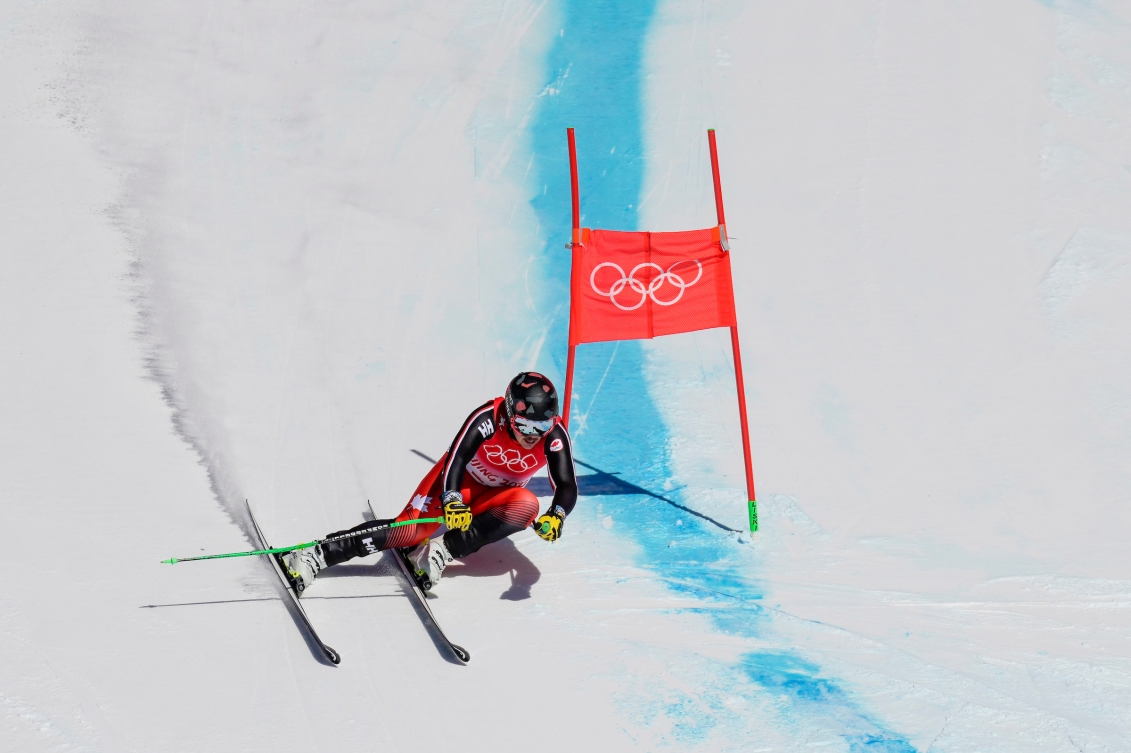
(645,291)
(513,459)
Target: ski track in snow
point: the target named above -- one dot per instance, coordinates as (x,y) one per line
(324,212)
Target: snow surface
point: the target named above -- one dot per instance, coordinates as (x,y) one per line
(276,251)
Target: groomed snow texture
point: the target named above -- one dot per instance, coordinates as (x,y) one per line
(276,251)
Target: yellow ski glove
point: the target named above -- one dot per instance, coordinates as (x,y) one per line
(549,526)
(457,515)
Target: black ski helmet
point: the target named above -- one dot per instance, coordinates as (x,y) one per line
(531,396)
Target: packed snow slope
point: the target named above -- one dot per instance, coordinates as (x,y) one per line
(277,251)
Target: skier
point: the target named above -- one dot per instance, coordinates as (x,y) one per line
(478,487)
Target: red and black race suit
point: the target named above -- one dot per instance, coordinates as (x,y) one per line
(490,469)
(492,457)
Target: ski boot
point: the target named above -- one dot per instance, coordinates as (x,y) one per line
(302,566)
(428,561)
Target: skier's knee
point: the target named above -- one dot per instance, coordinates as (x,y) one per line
(519,511)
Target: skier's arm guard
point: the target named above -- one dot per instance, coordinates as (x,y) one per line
(559,464)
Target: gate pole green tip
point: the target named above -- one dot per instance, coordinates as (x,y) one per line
(753,508)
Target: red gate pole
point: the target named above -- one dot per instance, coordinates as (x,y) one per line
(575,247)
(752,504)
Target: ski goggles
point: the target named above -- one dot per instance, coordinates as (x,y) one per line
(531,428)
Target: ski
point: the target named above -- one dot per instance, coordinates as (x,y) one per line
(276,563)
(406,568)
(414,587)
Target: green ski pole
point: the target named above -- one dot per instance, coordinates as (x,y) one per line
(282,549)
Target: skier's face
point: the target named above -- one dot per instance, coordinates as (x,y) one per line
(526,441)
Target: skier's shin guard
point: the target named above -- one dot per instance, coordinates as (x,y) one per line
(370,542)
(485,529)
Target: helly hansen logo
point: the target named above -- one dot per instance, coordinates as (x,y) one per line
(487,428)
(369,545)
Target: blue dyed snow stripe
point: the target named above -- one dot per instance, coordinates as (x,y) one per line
(595,75)
(799,682)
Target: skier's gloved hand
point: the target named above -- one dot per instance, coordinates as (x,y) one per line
(549,526)
(457,515)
